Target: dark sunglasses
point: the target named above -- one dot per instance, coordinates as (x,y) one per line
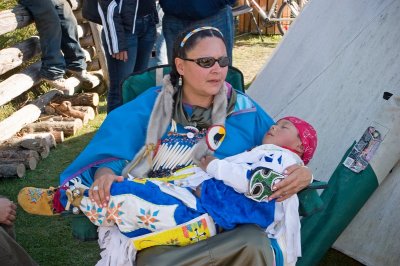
(207,62)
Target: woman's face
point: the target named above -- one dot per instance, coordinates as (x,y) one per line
(201,84)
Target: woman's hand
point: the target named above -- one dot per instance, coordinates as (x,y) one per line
(7,211)
(205,161)
(298,177)
(99,192)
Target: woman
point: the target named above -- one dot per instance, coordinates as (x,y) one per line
(128,36)
(193,98)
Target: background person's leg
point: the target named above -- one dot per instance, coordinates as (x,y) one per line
(73,53)
(118,70)
(171,27)
(223,20)
(48,26)
(147,34)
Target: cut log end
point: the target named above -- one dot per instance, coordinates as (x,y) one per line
(12,170)
(58,136)
(88,110)
(44,153)
(31,163)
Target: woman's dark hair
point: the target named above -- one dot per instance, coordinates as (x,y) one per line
(180,51)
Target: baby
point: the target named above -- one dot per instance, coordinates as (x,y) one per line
(254,174)
(290,141)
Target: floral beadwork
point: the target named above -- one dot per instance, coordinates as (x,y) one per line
(148,219)
(35,194)
(93,213)
(114,213)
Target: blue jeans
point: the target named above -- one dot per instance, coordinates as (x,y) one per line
(140,45)
(57,29)
(223,20)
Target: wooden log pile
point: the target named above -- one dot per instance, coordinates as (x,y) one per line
(27,135)
(60,116)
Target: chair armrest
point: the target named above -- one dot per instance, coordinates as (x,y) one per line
(309,199)
(316,184)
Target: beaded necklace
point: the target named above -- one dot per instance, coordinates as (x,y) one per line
(175,151)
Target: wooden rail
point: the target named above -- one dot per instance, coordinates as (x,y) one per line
(52,112)
(13,19)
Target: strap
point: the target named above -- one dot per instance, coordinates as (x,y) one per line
(159,76)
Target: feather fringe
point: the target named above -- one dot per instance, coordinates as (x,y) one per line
(160,119)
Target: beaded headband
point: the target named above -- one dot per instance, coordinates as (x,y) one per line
(197,30)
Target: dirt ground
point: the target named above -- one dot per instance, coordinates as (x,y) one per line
(251,61)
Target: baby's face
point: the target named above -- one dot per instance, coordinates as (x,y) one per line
(284,134)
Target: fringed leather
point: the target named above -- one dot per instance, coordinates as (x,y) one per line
(159,121)
(117,249)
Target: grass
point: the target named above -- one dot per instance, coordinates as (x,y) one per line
(7,4)
(49,239)
(250,54)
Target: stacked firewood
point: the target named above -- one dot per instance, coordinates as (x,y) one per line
(59,116)
(27,135)
(66,113)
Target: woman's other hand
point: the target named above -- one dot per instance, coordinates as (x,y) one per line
(205,161)
(7,211)
(99,192)
(298,177)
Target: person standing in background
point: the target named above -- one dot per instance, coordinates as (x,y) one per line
(129,33)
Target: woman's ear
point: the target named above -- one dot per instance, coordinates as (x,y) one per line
(179,66)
